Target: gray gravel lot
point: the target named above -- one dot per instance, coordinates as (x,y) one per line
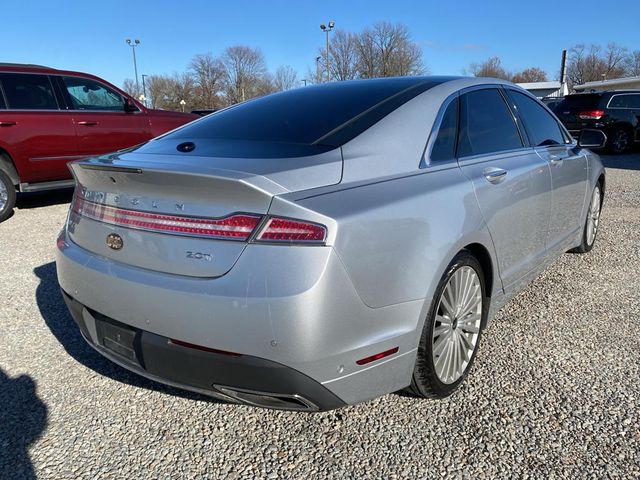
(554,392)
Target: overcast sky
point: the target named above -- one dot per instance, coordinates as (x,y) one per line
(90,36)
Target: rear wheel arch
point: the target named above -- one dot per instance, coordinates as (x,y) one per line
(7,166)
(484,258)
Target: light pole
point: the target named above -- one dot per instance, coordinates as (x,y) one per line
(326,30)
(133,44)
(318,77)
(144,88)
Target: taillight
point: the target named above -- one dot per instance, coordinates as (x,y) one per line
(591,115)
(285,230)
(234,227)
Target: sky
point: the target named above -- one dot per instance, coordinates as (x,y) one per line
(90,36)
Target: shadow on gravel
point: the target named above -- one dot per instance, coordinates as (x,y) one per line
(23,418)
(624,162)
(56,316)
(44,199)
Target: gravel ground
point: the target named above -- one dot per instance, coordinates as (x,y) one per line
(554,392)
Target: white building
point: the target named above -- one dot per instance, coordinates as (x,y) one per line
(546,89)
(613,84)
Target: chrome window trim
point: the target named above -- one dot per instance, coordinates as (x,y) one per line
(620,95)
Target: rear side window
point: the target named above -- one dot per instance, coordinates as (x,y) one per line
(28,92)
(444,147)
(2,104)
(86,94)
(625,101)
(541,126)
(486,124)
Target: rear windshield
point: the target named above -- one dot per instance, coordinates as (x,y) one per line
(572,102)
(308,115)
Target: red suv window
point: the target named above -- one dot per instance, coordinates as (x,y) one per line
(28,91)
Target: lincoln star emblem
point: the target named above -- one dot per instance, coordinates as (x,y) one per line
(114,241)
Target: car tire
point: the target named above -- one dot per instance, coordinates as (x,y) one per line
(590,229)
(431,376)
(7,196)
(620,141)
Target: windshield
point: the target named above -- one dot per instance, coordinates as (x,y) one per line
(575,102)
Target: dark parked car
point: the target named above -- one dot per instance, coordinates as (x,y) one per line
(614,112)
(50,117)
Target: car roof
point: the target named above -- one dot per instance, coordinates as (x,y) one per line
(33,68)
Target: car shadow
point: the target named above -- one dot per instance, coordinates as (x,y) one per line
(58,319)
(23,418)
(44,199)
(630,161)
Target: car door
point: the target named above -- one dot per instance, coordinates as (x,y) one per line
(512,183)
(38,134)
(568,169)
(101,122)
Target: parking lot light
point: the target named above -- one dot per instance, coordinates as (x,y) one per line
(133,44)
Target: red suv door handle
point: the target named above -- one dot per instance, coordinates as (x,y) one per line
(7,124)
(88,123)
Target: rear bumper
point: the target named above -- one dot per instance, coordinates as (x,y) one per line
(289,311)
(236,378)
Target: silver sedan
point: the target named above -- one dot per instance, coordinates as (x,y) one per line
(326,245)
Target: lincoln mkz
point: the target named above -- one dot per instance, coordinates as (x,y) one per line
(326,245)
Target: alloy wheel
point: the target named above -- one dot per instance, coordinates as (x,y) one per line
(620,141)
(457,325)
(593,217)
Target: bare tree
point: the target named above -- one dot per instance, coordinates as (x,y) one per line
(386,50)
(285,78)
(527,75)
(492,67)
(135,90)
(208,73)
(592,63)
(168,91)
(244,71)
(633,64)
(343,56)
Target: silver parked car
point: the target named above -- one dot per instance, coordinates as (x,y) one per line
(326,245)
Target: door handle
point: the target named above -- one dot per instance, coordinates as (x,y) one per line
(7,123)
(555,159)
(494,175)
(88,123)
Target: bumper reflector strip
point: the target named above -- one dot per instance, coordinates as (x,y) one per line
(377,356)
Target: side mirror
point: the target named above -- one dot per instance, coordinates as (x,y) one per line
(592,139)
(130,106)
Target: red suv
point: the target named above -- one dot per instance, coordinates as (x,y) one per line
(50,117)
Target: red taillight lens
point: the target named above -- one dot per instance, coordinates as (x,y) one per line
(377,356)
(234,227)
(591,115)
(292,231)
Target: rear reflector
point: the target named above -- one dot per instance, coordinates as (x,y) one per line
(193,346)
(294,231)
(234,227)
(591,115)
(377,356)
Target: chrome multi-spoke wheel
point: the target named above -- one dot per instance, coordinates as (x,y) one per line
(593,217)
(457,324)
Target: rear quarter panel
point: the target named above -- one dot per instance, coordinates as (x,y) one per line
(396,237)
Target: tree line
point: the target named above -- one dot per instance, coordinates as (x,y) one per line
(240,72)
(382,50)
(585,63)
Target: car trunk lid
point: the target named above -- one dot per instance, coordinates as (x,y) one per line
(127,196)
